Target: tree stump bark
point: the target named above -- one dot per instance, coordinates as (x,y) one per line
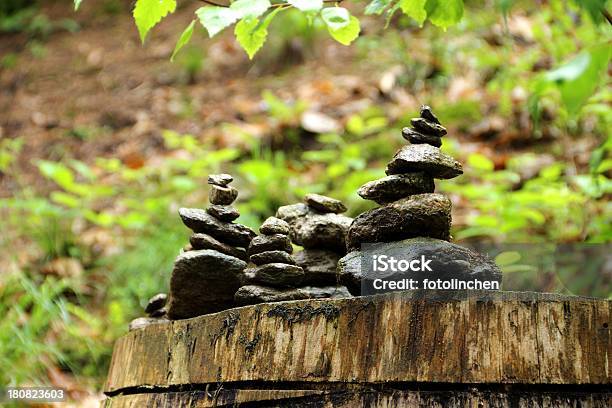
(474,349)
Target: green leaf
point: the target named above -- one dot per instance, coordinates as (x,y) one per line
(346,34)
(307,5)
(507,258)
(148,13)
(77,4)
(183,39)
(444,13)
(414,9)
(335,17)
(215,19)
(377,7)
(578,79)
(251,34)
(250,8)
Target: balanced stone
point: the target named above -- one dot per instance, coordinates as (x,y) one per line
(276,242)
(274,274)
(200,221)
(220,179)
(324,204)
(205,241)
(423,157)
(319,266)
(253,294)
(272,257)
(225,213)
(427,114)
(142,322)
(424,215)
(428,127)
(312,229)
(156,302)
(273,225)
(203,281)
(448,261)
(396,186)
(159,312)
(222,195)
(415,137)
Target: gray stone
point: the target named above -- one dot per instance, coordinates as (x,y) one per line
(293,212)
(319,266)
(396,186)
(200,221)
(156,302)
(203,281)
(273,225)
(220,179)
(222,195)
(427,127)
(253,294)
(415,137)
(142,322)
(324,204)
(272,257)
(159,313)
(274,274)
(205,241)
(422,215)
(321,231)
(427,114)
(276,242)
(448,261)
(225,213)
(424,157)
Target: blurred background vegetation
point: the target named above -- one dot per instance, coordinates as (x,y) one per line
(102,140)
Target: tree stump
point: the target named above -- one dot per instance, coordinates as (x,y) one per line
(399,349)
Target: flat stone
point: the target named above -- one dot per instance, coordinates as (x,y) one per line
(163,312)
(142,322)
(200,221)
(422,215)
(319,266)
(220,179)
(203,281)
(293,212)
(427,127)
(415,137)
(272,257)
(274,274)
(396,186)
(156,302)
(225,213)
(427,114)
(448,261)
(424,157)
(253,294)
(312,229)
(276,242)
(205,241)
(273,225)
(324,204)
(222,195)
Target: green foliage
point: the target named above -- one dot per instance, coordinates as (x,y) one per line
(184,39)
(147,13)
(251,33)
(347,33)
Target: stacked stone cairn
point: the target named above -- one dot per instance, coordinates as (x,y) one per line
(155,310)
(411,216)
(207,272)
(311,273)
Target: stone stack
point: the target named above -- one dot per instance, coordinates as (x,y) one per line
(311,273)
(155,310)
(409,208)
(206,274)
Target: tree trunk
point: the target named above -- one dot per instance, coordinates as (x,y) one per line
(475,349)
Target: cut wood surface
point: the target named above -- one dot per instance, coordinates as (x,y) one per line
(384,347)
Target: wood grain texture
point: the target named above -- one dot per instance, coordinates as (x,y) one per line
(477,338)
